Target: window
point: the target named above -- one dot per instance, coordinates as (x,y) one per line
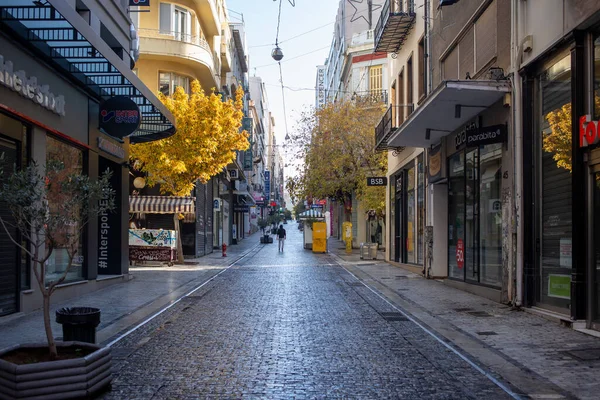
(420,210)
(401,106)
(175,21)
(450,65)
(411,216)
(475,49)
(409,84)
(168,81)
(554,151)
(422,66)
(394,104)
(376,79)
(71,158)
(485,33)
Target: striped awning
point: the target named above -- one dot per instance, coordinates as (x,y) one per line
(311,214)
(162,205)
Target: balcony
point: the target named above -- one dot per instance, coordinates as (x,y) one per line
(395,22)
(384,129)
(192,50)
(371,96)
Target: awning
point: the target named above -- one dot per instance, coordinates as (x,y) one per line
(57,34)
(311,214)
(162,205)
(438,116)
(246,196)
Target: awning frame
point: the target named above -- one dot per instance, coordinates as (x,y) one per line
(411,134)
(56,34)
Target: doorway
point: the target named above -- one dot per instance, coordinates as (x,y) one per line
(9,254)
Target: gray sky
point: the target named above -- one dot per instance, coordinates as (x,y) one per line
(314,21)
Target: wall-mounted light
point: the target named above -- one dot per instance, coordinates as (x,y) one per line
(139,182)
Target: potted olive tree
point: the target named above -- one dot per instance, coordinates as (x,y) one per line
(50,208)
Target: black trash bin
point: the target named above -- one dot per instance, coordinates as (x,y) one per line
(78,323)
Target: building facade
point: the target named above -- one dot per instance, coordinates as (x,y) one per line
(58,64)
(451,205)
(180,41)
(556,87)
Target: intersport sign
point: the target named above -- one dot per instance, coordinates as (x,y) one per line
(589,131)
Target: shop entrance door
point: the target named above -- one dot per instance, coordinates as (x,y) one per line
(594,267)
(399,242)
(9,256)
(471,254)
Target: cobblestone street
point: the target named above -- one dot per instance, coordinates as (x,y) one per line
(289,325)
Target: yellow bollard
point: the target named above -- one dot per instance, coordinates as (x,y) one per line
(347,235)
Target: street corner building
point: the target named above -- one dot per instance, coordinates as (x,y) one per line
(65,79)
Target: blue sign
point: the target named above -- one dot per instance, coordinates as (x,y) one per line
(447,2)
(217,204)
(268,184)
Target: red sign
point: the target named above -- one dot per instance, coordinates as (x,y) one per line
(460,254)
(589,131)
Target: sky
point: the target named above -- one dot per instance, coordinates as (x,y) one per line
(314,21)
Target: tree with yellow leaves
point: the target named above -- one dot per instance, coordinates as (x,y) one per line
(339,153)
(208,136)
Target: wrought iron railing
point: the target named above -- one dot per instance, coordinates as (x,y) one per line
(371,96)
(385,126)
(392,7)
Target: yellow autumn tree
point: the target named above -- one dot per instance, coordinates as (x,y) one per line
(208,136)
(558,140)
(340,153)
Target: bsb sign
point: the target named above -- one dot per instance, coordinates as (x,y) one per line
(377,181)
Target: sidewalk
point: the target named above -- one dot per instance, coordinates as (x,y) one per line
(126,304)
(540,357)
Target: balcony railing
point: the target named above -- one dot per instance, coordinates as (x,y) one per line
(395,22)
(371,96)
(391,120)
(175,36)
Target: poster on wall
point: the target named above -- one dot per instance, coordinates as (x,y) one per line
(436,164)
(109,227)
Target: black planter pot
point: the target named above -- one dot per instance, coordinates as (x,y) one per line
(79,323)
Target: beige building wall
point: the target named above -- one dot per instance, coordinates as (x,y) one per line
(196,55)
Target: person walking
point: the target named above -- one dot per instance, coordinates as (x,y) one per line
(281,236)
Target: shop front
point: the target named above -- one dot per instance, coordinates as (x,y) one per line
(407,200)
(50,101)
(455,224)
(562,179)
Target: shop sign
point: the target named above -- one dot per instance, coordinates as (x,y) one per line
(487,135)
(217,204)
(151,253)
(109,227)
(559,286)
(248,160)
(436,165)
(268,184)
(29,88)
(316,206)
(320,87)
(377,181)
(111,148)
(473,135)
(242,208)
(140,3)
(399,183)
(119,116)
(589,131)
(460,254)
(566,253)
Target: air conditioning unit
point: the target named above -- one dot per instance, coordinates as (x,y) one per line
(233,173)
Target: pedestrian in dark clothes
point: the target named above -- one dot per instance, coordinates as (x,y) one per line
(281,236)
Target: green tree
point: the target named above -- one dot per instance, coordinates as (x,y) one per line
(51,207)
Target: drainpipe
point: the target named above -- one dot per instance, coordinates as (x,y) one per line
(517,152)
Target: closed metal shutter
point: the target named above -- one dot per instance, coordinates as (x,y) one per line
(209,217)
(467,53)
(485,36)
(450,65)
(8,250)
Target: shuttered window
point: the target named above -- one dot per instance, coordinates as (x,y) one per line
(450,65)
(485,36)
(376,78)
(466,54)
(165,18)
(401,107)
